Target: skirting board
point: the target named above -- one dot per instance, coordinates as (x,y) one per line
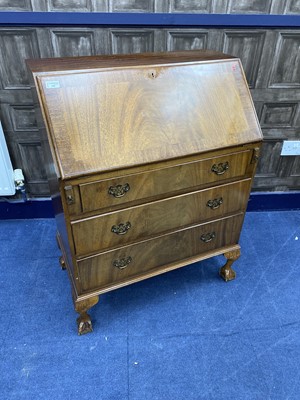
(259,201)
(274,201)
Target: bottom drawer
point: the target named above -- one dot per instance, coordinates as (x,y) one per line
(116,266)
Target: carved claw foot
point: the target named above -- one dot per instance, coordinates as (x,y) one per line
(226,272)
(62,263)
(84,322)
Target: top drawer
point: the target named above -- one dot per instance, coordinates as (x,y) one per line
(116,192)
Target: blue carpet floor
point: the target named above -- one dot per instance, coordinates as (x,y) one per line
(183,335)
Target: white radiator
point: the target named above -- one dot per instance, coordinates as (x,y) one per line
(7,179)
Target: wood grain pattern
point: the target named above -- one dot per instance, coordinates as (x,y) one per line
(286,69)
(126,60)
(95,234)
(273,50)
(172,146)
(161,182)
(247,45)
(132,41)
(98,272)
(138,126)
(15,46)
(80,42)
(268,61)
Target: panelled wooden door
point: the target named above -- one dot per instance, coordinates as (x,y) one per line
(271,60)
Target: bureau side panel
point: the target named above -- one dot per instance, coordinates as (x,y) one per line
(62,219)
(57,196)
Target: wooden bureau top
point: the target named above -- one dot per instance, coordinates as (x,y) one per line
(110,112)
(122,60)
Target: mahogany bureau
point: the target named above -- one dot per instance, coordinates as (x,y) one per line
(150,160)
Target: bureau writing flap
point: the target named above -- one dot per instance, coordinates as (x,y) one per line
(101,119)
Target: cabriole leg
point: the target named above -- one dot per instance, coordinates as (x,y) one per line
(84,321)
(61,258)
(226,272)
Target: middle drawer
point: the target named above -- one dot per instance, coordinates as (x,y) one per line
(140,222)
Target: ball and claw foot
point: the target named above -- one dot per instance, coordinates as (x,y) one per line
(226,272)
(62,263)
(84,324)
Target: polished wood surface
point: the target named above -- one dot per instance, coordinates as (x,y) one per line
(267,56)
(145,114)
(99,271)
(95,195)
(84,322)
(226,272)
(45,65)
(153,157)
(95,234)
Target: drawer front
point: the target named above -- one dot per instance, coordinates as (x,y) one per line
(141,222)
(117,266)
(115,192)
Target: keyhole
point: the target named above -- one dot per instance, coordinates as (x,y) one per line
(152,74)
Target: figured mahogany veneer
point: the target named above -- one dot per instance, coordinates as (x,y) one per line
(161,182)
(150,160)
(146,258)
(151,219)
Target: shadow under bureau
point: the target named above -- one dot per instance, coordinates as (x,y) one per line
(150,159)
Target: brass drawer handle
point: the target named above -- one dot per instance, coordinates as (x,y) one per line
(119,190)
(121,229)
(215,203)
(208,237)
(221,168)
(122,263)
